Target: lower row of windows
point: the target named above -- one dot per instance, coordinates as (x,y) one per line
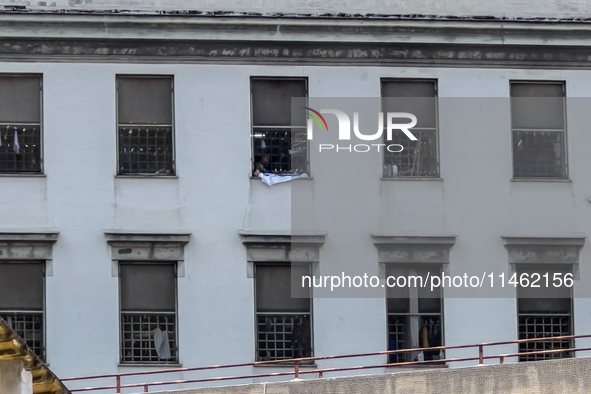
(148,314)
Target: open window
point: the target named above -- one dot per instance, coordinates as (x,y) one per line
(145,125)
(20,124)
(544,312)
(539,129)
(418,158)
(148,313)
(414,314)
(279,139)
(22,301)
(284,326)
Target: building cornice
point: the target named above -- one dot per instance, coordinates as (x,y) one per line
(186,38)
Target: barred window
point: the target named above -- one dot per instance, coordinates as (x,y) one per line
(284,326)
(414,316)
(145,125)
(539,130)
(20,124)
(279,139)
(418,158)
(544,312)
(148,313)
(22,301)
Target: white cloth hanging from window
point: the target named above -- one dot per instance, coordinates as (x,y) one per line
(161,344)
(272,179)
(15,144)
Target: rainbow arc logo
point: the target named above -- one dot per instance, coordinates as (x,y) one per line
(315,118)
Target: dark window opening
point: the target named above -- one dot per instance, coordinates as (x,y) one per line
(418,158)
(544,312)
(145,125)
(283,323)
(539,130)
(20,124)
(279,139)
(148,316)
(22,301)
(414,317)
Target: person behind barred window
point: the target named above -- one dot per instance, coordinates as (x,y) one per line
(262,166)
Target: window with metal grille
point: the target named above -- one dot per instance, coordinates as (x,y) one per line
(22,304)
(283,323)
(418,158)
(414,315)
(148,313)
(539,129)
(544,312)
(279,139)
(145,125)
(20,124)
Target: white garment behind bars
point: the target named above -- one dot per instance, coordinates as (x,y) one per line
(161,343)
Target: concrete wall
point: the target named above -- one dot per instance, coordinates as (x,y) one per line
(542,377)
(509,8)
(213,197)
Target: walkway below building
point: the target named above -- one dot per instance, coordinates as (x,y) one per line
(571,376)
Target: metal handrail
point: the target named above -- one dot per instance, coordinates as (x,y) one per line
(321,371)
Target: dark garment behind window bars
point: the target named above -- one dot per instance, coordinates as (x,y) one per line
(398,333)
(28,158)
(282,337)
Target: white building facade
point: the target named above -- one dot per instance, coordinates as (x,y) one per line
(121,251)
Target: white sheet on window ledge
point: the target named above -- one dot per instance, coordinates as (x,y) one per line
(272,179)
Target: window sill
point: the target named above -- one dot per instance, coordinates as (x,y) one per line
(146,176)
(415,366)
(285,364)
(308,178)
(408,178)
(23,175)
(163,365)
(560,180)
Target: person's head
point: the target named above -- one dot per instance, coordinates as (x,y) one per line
(265,159)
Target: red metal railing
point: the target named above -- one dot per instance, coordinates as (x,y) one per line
(321,371)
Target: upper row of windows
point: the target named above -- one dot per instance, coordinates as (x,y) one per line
(145,126)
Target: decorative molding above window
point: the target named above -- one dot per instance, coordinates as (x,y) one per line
(404,249)
(282,246)
(27,245)
(147,246)
(544,250)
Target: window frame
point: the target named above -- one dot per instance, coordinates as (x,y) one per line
(435,82)
(176,360)
(412,269)
(41,171)
(43,312)
(118,173)
(290,127)
(565,149)
(256,313)
(547,356)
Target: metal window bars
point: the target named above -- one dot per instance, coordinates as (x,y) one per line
(20,148)
(399,326)
(544,326)
(539,153)
(137,337)
(29,326)
(146,149)
(417,159)
(280,150)
(283,336)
